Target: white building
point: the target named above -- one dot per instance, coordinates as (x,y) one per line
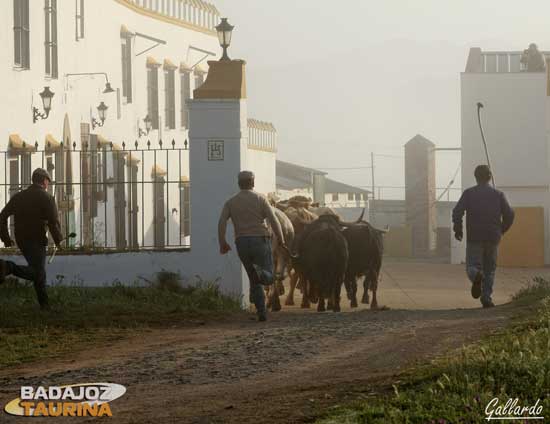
(516,119)
(296,180)
(118,184)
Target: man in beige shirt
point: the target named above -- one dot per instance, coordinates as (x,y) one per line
(249,211)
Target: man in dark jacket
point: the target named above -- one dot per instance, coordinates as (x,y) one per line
(488,217)
(34,211)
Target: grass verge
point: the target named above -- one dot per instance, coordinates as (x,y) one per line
(83,317)
(456,389)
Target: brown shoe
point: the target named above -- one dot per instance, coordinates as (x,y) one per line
(476,286)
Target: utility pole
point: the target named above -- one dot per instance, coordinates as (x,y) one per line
(373,209)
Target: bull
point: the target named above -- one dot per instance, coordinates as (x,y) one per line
(365,244)
(322,258)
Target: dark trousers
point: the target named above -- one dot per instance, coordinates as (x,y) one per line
(257,251)
(481,256)
(35,255)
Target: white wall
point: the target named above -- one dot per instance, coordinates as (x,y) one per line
(262,163)
(105,269)
(99,51)
(344,202)
(516,122)
(213,182)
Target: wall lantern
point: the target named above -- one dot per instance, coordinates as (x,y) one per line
(148,126)
(101,110)
(46,96)
(108,88)
(225,31)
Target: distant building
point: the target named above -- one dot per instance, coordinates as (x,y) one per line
(294,180)
(516,119)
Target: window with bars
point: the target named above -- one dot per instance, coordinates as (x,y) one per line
(334,197)
(21,33)
(126,43)
(79,19)
(153,96)
(185,209)
(185,94)
(50,42)
(170,98)
(119,173)
(133,205)
(159,212)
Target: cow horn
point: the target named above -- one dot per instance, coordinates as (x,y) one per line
(385,230)
(351,224)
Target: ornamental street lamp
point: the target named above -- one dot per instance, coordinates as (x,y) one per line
(225,31)
(101,110)
(46,96)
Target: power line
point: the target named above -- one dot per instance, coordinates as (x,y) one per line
(351,168)
(380,155)
(434,203)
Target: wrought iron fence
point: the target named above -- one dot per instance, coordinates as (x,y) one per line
(115,197)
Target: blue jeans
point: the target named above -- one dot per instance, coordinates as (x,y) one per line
(481,256)
(257,251)
(35,255)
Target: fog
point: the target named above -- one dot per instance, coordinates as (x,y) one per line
(342,79)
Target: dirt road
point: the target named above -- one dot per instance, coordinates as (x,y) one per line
(285,371)
(289,369)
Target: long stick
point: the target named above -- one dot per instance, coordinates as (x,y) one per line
(373,207)
(479,107)
(71,235)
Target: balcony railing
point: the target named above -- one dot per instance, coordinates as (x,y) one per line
(199,13)
(262,136)
(497,61)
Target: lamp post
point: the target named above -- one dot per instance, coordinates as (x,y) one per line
(225,31)
(46,95)
(101,110)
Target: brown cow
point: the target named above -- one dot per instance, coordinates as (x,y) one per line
(300,217)
(281,261)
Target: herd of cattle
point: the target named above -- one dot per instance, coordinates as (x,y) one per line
(325,253)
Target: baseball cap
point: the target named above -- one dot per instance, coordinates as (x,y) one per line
(40,175)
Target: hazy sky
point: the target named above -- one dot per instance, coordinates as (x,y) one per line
(340,79)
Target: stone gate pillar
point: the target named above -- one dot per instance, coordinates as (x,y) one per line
(217,153)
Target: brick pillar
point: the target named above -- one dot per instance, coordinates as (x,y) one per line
(420,194)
